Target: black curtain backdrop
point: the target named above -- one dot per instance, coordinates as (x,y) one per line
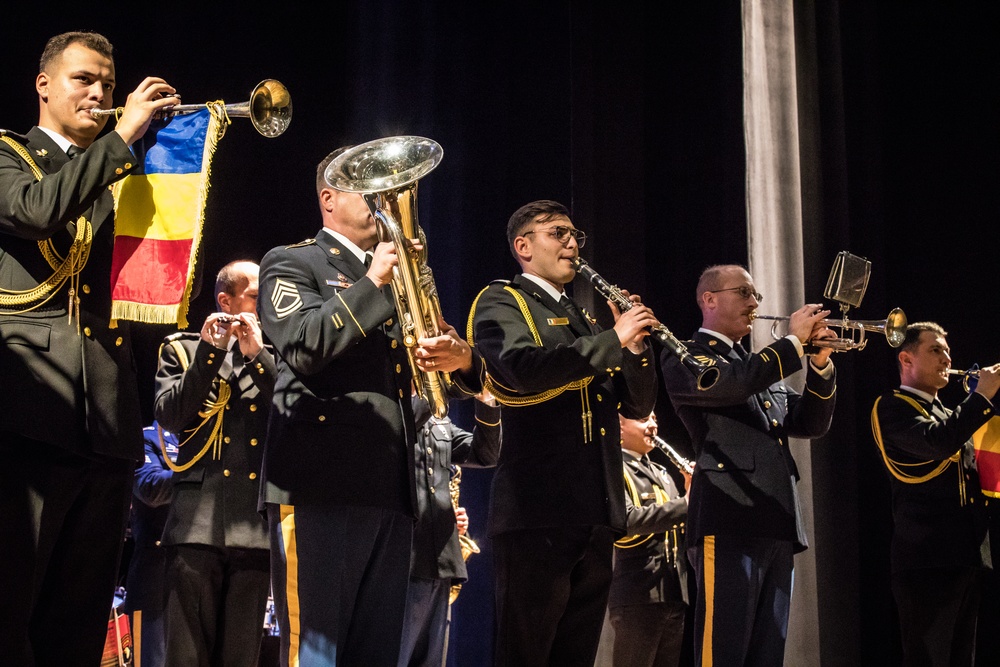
(632,116)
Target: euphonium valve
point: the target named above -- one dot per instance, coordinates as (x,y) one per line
(386,172)
(706,374)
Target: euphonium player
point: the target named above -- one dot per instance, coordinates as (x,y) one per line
(940,544)
(338,476)
(744,521)
(558,497)
(436,561)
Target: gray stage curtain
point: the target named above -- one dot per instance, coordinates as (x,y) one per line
(775,238)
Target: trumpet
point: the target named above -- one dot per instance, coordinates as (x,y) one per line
(707,375)
(893,328)
(969,376)
(269,108)
(674,456)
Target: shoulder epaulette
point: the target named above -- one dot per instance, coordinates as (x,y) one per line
(177,336)
(500,281)
(301,244)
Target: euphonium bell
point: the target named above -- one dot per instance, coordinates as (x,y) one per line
(386,172)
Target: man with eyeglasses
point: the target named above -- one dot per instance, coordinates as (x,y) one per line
(744,521)
(558,497)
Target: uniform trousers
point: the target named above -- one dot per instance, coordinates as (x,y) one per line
(63,527)
(648,635)
(552,587)
(938,608)
(339,577)
(744,594)
(425,624)
(215,604)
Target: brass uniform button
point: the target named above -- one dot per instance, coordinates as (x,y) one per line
(226,473)
(767,404)
(394,344)
(86,332)
(253,407)
(322,418)
(226,440)
(253,442)
(253,475)
(85,289)
(118,341)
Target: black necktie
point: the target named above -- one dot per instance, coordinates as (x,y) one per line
(368,260)
(73,151)
(740,351)
(574,312)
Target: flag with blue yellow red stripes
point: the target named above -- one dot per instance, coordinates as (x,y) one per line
(159,214)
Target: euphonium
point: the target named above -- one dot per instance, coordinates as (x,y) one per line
(385,172)
(467,544)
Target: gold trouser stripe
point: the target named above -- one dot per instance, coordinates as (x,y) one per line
(708,567)
(287,513)
(137,638)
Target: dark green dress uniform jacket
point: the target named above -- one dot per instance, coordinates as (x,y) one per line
(744,476)
(560,457)
(941,521)
(342,428)
(215,500)
(73,389)
(650,561)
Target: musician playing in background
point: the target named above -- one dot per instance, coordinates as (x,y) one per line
(213,389)
(558,498)
(940,542)
(71,430)
(744,521)
(338,480)
(436,560)
(649,592)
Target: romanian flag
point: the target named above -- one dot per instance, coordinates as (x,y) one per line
(987,442)
(159,211)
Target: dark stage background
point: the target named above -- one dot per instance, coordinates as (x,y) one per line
(633,117)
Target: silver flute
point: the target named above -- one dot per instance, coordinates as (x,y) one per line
(674,456)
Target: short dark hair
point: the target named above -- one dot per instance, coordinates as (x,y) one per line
(543,210)
(56,45)
(230,277)
(912,337)
(321,182)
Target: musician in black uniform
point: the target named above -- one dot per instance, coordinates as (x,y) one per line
(558,498)
(152,492)
(940,543)
(436,561)
(744,520)
(70,435)
(213,389)
(649,592)
(338,469)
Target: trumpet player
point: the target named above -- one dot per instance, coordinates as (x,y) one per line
(940,542)
(338,474)
(557,505)
(649,590)
(71,432)
(744,522)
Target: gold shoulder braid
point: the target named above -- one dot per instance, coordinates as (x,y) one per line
(506,396)
(64,268)
(896,469)
(213,409)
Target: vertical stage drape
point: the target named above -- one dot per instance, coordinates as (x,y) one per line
(159,213)
(774,230)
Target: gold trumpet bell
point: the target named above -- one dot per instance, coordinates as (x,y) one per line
(269,108)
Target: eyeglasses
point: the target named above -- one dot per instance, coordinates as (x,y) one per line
(562,234)
(744,291)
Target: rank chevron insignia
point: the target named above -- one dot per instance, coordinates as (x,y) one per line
(285,298)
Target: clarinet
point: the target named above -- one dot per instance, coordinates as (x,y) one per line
(707,375)
(673,455)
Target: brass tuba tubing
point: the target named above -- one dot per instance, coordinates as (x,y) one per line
(269,108)
(707,375)
(386,173)
(893,328)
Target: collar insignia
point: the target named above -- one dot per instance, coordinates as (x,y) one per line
(42,152)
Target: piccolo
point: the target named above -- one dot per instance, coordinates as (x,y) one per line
(707,375)
(673,455)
